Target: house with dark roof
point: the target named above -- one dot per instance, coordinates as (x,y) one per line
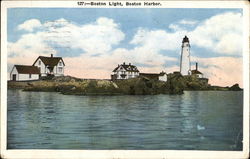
(125,71)
(196,72)
(162,76)
(50,65)
(24,73)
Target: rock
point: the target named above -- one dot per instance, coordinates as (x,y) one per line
(235,87)
(176,84)
(65,79)
(30,84)
(142,86)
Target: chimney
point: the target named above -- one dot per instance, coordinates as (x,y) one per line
(51,55)
(123,63)
(196,66)
(129,64)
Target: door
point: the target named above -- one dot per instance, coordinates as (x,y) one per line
(14,77)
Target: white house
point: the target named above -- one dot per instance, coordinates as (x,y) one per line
(125,71)
(50,65)
(156,76)
(24,73)
(196,72)
(163,76)
(185,67)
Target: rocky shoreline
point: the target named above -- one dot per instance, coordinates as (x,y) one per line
(176,84)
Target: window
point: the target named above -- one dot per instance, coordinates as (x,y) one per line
(39,62)
(60,63)
(59,69)
(29,75)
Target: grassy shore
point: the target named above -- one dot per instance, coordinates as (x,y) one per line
(68,85)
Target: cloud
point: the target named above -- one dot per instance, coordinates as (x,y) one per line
(29,45)
(175,27)
(94,38)
(221,71)
(221,33)
(183,25)
(188,22)
(56,23)
(103,65)
(158,39)
(30,25)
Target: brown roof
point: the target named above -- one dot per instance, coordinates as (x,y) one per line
(23,69)
(150,75)
(196,72)
(176,72)
(50,61)
(162,73)
(129,67)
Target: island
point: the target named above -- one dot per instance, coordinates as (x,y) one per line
(68,85)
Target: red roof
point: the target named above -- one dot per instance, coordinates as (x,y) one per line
(24,69)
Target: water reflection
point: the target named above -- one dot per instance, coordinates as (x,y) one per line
(195,120)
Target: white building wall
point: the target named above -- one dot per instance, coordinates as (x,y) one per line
(185,59)
(23,77)
(55,70)
(26,77)
(59,69)
(163,78)
(42,67)
(121,71)
(200,75)
(43,70)
(13,72)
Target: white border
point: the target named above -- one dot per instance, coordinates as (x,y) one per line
(124,153)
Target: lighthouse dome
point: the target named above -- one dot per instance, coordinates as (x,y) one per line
(185,39)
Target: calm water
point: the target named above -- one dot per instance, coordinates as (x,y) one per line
(200,120)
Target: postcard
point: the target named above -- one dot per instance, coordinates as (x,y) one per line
(125,79)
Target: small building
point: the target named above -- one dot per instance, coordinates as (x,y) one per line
(196,72)
(163,76)
(155,76)
(125,71)
(50,65)
(24,73)
(177,73)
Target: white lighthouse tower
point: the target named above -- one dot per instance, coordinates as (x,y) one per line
(185,67)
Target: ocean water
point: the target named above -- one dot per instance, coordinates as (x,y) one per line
(196,120)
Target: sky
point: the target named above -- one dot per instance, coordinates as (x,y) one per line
(94,41)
